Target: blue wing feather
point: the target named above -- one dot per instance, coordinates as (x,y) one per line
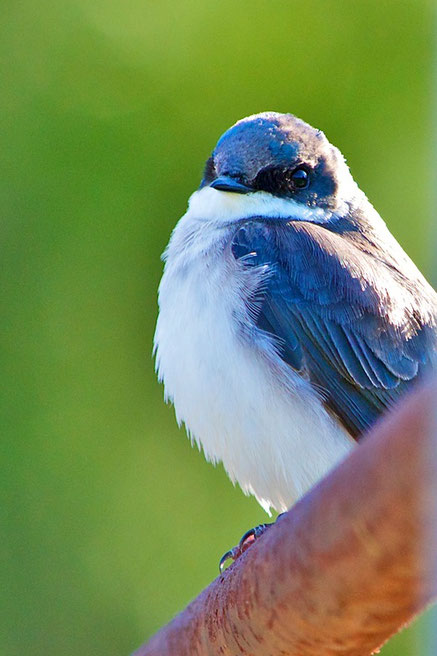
(331,308)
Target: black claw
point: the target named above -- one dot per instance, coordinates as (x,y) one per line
(248,538)
(244,544)
(247,535)
(224,559)
(256,532)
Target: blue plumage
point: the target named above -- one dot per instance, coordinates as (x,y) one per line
(330,309)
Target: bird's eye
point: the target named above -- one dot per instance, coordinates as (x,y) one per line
(300,178)
(281,181)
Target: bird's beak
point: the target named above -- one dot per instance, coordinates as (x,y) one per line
(226,183)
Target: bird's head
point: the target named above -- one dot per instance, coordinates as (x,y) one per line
(277,160)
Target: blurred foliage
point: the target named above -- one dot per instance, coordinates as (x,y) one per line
(111,522)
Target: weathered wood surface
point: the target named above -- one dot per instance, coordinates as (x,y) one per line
(347,567)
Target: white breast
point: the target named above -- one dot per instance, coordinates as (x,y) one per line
(238,400)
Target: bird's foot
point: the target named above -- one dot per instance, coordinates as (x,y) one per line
(246,541)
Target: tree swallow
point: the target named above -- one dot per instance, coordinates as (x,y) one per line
(289,319)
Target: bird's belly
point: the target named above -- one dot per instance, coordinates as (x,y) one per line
(239,401)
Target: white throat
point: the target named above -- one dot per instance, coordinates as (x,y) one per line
(215,206)
(226,207)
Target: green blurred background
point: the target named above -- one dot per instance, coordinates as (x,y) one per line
(111,522)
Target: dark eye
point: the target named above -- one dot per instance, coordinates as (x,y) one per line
(300,178)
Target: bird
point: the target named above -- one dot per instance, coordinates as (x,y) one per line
(290,319)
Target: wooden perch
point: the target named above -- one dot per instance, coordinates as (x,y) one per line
(347,567)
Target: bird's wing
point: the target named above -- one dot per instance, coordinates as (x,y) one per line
(343,318)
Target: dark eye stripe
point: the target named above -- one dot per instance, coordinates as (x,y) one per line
(209,173)
(280,180)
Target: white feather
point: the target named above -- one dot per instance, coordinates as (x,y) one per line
(239,401)
(208,204)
